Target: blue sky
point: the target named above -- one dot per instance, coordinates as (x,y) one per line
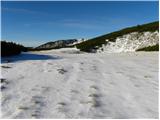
(33,23)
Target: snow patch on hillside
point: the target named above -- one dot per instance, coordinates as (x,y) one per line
(131,42)
(78,41)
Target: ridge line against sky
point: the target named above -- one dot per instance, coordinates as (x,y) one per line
(33,23)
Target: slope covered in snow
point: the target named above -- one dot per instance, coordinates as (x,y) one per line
(62,84)
(131,42)
(123,37)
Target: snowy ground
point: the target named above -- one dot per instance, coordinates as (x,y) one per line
(60,84)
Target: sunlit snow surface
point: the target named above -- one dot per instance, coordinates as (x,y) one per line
(131,42)
(67,84)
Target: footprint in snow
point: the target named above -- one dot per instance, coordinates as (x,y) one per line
(39,103)
(95,97)
(81,63)
(45,89)
(4,81)
(3,87)
(50,63)
(74,91)
(5,99)
(136,85)
(61,71)
(4,84)
(112,83)
(62,108)
(147,76)
(5,66)
(94,87)
(119,72)
(62,104)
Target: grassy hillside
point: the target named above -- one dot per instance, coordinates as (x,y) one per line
(10,48)
(150,48)
(94,43)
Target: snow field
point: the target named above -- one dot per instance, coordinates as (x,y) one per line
(123,85)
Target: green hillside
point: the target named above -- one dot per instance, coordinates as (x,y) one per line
(94,43)
(150,48)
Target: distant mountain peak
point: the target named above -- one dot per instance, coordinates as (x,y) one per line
(57,44)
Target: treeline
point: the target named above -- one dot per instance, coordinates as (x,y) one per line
(97,42)
(10,48)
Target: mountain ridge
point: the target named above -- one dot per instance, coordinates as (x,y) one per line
(56,44)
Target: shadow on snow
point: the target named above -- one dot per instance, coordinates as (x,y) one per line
(27,56)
